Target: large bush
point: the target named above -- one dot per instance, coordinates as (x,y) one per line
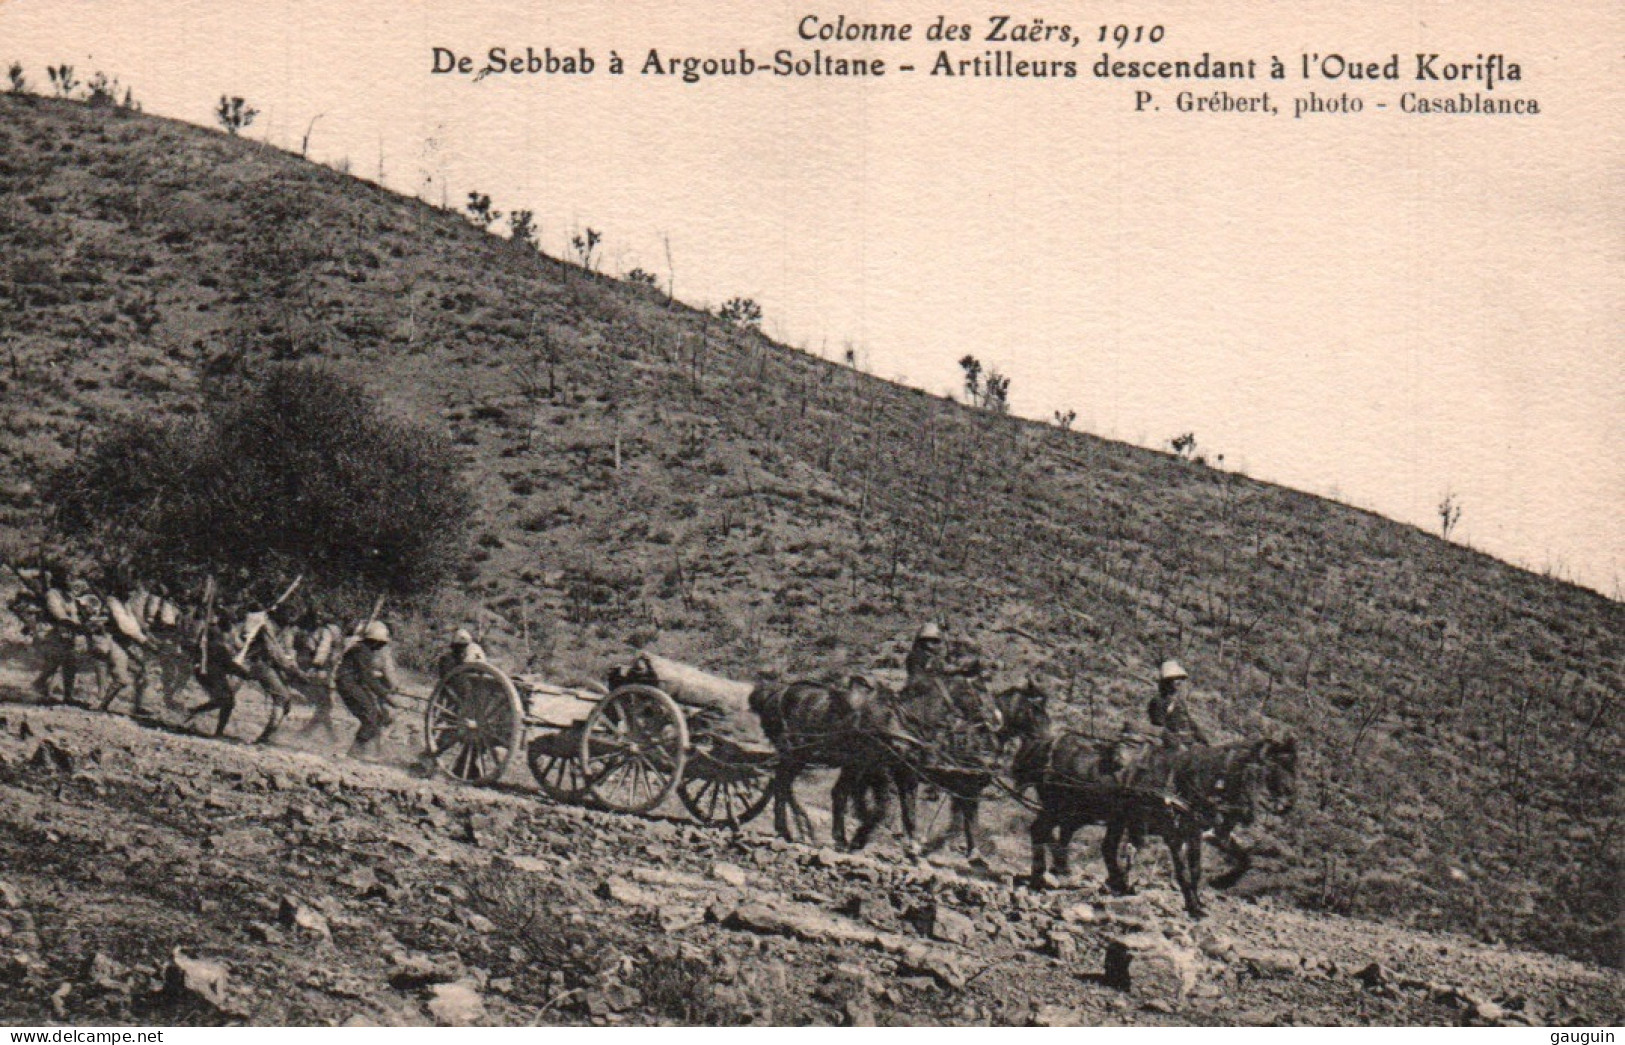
(299,471)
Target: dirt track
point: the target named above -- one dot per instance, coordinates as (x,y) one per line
(303,889)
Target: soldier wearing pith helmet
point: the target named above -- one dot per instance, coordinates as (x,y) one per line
(925,657)
(1170,709)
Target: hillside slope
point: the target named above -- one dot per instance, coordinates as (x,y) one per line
(651,475)
(146,877)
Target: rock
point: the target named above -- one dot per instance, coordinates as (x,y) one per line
(858,1012)
(825,858)
(1489,1012)
(1055,1016)
(623,891)
(456,1004)
(104,973)
(920,960)
(1060,944)
(675,918)
(730,874)
(1267,962)
(803,923)
(361,879)
(52,758)
(264,932)
(1079,914)
(1376,979)
(944,923)
(241,842)
(1151,967)
(673,879)
(611,999)
(304,920)
(11,897)
(196,980)
(412,970)
(478,922)
(532,864)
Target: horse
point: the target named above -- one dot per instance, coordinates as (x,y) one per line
(1176,794)
(965,770)
(859,727)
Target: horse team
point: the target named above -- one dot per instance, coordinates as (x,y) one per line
(949,730)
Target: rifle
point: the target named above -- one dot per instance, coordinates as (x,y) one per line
(253,627)
(207,623)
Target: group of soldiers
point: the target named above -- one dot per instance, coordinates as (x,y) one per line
(140,640)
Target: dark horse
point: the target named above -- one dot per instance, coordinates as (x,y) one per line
(963,767)
(1178,794)
(857,726)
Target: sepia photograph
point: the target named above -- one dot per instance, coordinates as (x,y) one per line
(876,515)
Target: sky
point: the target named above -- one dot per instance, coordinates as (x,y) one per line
(1378,307)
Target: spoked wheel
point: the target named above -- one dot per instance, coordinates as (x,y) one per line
(633,748)
(722,785)
(474,724)
(555,762)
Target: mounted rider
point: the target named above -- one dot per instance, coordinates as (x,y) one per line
(1170,709)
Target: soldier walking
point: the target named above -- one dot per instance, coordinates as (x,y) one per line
(367,679)
(218,672)
(61,627)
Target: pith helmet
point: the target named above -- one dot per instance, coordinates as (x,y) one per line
(1171,670)
(461,637)
(377,631)
(929,633)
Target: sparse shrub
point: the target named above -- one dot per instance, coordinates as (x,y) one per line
(480,211)
(993,393)
(527,914)
(19,82)
(522,226)
(1184,445)
(62,79)
(584,246)
(299,471)
(1449,514)
(104,93)
(1064,419)
(996,393)
(741,312)
(641,277)
(234,114)
(972,369)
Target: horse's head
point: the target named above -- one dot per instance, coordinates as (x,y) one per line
(1025,710)
(1278,760)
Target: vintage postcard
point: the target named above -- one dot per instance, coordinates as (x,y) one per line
(883,514)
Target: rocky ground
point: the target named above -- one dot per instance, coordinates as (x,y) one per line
(148,875)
